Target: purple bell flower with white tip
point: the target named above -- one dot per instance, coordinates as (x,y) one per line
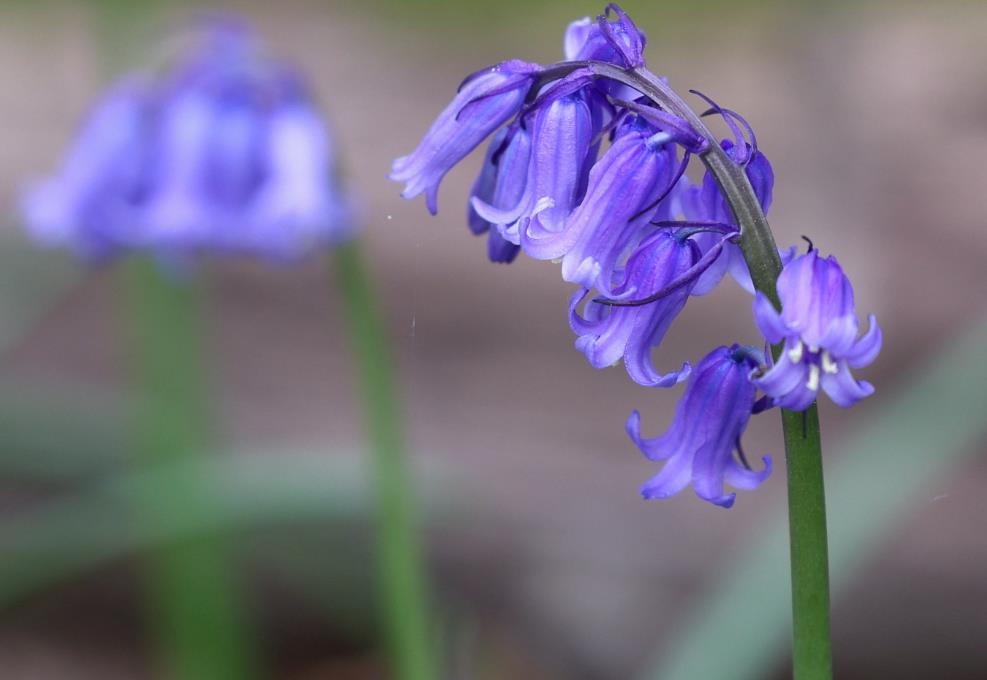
(485,101)
(818,324)
(709,420)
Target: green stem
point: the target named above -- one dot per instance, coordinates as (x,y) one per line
(403,592)
(812,654)
(195,608)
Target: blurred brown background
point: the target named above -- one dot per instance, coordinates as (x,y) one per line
(550,565)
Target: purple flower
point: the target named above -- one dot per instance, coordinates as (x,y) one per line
(484,102)
(619,42)
(706,203)
(562,153)
(87,205)
(501,182)
(608,333)
(709,421)
(224,153)
(620,201)
(818,324)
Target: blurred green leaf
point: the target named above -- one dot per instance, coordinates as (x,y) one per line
(62,434)
(32,283)
(69,536)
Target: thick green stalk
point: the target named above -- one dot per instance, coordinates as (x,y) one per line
(812,654)
(403,592)
(195,607)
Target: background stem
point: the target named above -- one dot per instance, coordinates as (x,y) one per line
(403,592)
(811,655)
(195,609)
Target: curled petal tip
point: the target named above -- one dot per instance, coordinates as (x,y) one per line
(725,501)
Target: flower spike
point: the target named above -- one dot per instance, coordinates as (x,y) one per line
(639,238)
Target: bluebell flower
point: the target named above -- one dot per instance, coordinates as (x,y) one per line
(501,182)
(818,324)
(619,41)
(91,205)
(620,202)
(563,150)
(709,420)
(706,203)
(639,239)
(609,333)
(485,101)
(224,152)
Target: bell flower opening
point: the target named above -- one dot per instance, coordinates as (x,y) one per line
(818,325)
(710,418)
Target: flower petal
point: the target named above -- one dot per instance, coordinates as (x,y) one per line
(866,349)
(843,389)
(739,477)
(768,319)
(657,448)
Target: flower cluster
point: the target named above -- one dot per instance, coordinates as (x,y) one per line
(224,151)
(585,170)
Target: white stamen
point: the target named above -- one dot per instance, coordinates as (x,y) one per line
(813,383)
(795,354)
(828,365)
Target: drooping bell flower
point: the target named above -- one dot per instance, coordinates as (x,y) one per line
(710,418)
(225,153)
(485,101)
(90,205)
(501,182)
(818,324)
(562,151)
(566,133)
(620,201)
(610,333)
